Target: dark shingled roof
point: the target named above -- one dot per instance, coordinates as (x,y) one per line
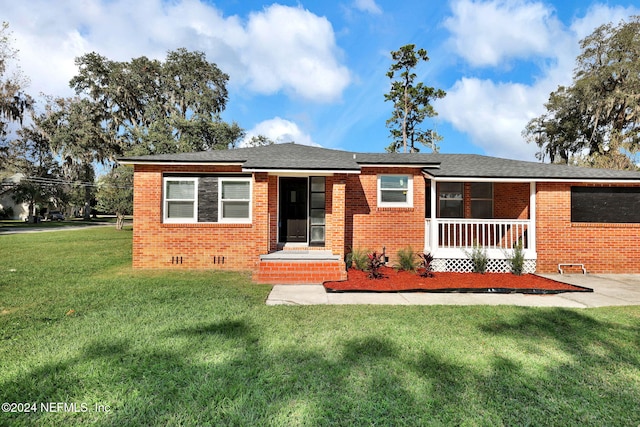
(297,156)
(473,165)
(276,156)
(303,157)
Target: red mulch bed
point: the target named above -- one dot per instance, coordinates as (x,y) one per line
(405,281)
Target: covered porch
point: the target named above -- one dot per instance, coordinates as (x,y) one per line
(493,215)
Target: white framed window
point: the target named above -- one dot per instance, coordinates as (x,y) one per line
(395,191)
(180,199)
(234,200)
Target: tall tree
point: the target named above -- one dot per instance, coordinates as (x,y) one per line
(42,179)
(153,107)
(14,102)
(596,120)
(74,127)
(411,102)
(139,107)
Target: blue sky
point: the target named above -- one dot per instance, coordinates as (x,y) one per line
(315,71)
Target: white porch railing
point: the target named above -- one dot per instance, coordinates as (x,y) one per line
(501,234)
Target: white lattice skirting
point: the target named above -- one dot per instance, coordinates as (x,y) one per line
(465,265)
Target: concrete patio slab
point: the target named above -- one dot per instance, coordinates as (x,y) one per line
(608,290)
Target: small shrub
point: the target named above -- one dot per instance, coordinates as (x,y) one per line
(425,269)
(406,260)
(478,257)
(375,262)
(517,259)
(359,259)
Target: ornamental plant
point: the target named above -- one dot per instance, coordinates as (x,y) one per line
(425,269)
(517,258)
(406,260)
(359,259)
(375,262)
(478,257)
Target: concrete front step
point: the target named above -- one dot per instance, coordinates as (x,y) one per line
(301,255)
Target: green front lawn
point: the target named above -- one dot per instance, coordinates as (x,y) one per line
(79,326)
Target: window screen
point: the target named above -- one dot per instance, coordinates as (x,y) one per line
(451,199)
(481,200)
(605,204)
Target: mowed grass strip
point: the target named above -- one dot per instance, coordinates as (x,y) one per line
(79,326)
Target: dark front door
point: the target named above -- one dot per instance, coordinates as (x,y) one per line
(293,210)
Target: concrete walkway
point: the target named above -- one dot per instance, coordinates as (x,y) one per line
(608,290)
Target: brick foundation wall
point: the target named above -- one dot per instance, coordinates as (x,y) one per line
(602,248)
(371,227)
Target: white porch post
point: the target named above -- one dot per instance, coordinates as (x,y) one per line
(532,216)
(433,224)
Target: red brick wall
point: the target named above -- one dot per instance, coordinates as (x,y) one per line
(511,200)
(369,227)
(602,248)
(299,272)
(335,215)
(155,243)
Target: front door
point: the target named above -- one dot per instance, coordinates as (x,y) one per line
(293,210)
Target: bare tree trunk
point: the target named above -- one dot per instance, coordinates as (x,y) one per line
(119,221)
(31,219)
(406,113)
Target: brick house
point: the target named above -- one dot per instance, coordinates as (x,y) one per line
(289,213)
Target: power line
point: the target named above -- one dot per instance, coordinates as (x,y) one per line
(60,181)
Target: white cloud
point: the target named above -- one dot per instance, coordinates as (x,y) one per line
(294,49)
(485,33)
(494,113)
(280,131)
(277,49)
(599,14)
(369,6)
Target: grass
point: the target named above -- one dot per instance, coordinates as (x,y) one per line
(78,325)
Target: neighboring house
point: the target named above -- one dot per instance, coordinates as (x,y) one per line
(7,203)
(290,212)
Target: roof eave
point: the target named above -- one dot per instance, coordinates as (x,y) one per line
(277,171)
(458,178)
(178,163)
(401,165)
